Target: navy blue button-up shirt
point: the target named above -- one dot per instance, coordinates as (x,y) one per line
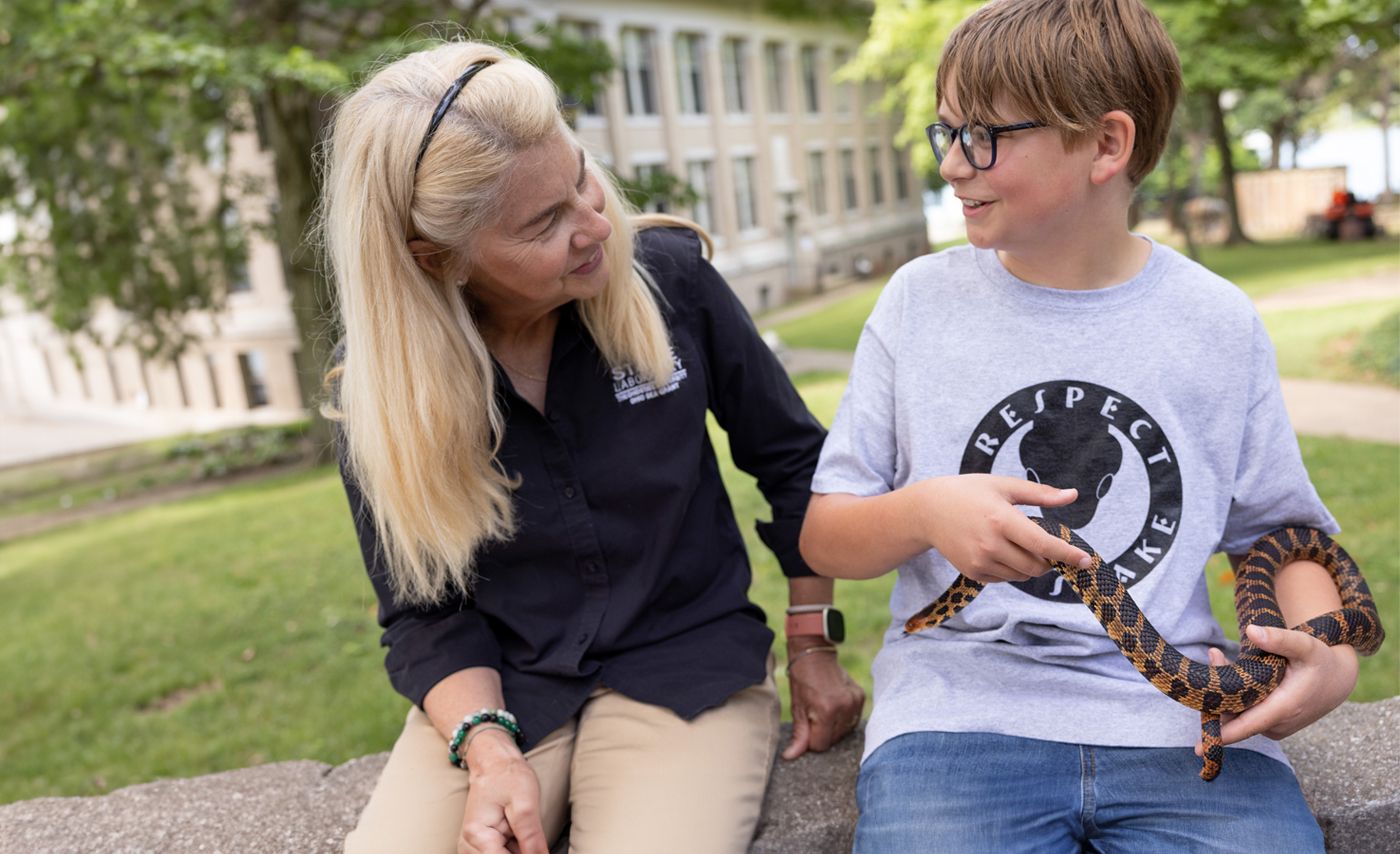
(627,567)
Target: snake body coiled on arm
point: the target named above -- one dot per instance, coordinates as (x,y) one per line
(1206,688)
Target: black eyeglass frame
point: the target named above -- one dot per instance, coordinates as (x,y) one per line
(963,136)
(444,105)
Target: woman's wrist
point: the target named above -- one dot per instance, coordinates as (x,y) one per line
(491,747)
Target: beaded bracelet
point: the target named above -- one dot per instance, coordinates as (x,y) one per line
(500,717)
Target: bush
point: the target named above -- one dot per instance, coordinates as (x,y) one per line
(1377,354)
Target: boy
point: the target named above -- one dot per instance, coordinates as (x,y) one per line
(1065,363)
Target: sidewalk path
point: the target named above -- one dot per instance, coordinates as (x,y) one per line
(1377,286)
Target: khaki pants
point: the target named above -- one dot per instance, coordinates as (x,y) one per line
(632,777)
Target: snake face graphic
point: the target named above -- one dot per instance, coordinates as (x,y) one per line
(1099,441)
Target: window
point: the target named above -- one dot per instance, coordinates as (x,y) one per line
(254,378)
(690,72)
(698,173)
(238,279)
(735,59)
(877,176)
(213,381)
(647,174)
(639,71)
(811,85)
(582,31)
(775,73)
(901,174)
(848,179)
(843,90)
(180,384)
(816,181)
(744,196)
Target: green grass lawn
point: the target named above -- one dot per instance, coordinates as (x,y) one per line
(1259,269)
(1319,343)
(836,327)
(238,628)
(1265,268)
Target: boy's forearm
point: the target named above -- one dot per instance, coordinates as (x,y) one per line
(848,536)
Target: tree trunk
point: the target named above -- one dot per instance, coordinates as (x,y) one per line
(1276,134)
(292,119)
(1385,139)
(1221,136)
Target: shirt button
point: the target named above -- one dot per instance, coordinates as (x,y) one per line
(582,639)
(590,568)
(553,416)
(568,492)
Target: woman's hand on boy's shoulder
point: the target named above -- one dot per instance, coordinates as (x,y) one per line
(1319,678)
(973,522)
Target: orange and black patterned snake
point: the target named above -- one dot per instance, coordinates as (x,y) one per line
(1209,689)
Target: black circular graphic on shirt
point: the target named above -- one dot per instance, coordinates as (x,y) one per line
(1069,433)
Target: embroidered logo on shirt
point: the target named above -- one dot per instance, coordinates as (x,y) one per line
(629,387)
(1068,433)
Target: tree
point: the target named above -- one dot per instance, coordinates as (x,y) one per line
(109,108)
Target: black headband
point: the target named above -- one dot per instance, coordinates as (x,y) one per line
(443,106)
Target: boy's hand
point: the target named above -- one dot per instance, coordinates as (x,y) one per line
(974,523)
(1318,679)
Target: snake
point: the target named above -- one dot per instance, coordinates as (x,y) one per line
(1210,689)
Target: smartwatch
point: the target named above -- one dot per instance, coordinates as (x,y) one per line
(825,622)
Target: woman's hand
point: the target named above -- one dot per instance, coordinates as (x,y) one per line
(973,522)
(826,701)
(1318,679)
(503,801)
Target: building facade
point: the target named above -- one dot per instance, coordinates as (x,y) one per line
(798,179)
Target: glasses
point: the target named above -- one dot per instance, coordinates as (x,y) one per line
(979,141)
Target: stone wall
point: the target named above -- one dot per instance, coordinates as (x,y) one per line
(1348,765)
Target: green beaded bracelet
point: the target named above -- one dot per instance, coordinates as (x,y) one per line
(500,717)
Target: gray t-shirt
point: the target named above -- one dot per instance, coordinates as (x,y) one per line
(1157,398)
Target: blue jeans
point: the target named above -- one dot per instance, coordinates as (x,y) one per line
(978,792)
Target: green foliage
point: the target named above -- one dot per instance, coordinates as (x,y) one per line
(115,121)
(658,187)
(851,13)
(1345,343)
(73,482)
(902,49)
(1377,354)
(218,455)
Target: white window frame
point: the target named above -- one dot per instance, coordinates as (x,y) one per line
(877,175)
(700,175)
(811,80)
(816,182)
(775,77)
(850,180)
(745,192)
(690,74)
(735,58)
(639,71)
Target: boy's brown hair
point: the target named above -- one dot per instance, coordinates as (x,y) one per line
(1067,63)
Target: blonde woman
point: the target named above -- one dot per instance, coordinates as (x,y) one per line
(522,401)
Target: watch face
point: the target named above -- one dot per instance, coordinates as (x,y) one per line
(835,625)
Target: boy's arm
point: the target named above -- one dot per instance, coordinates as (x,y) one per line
(1319,677)
(971,519)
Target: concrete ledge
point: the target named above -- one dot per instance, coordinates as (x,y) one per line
(1348,765)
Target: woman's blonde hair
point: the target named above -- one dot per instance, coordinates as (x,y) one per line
(415,393)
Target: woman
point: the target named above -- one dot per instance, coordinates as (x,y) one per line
(522,400)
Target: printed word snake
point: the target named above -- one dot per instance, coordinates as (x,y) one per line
(1209,689)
